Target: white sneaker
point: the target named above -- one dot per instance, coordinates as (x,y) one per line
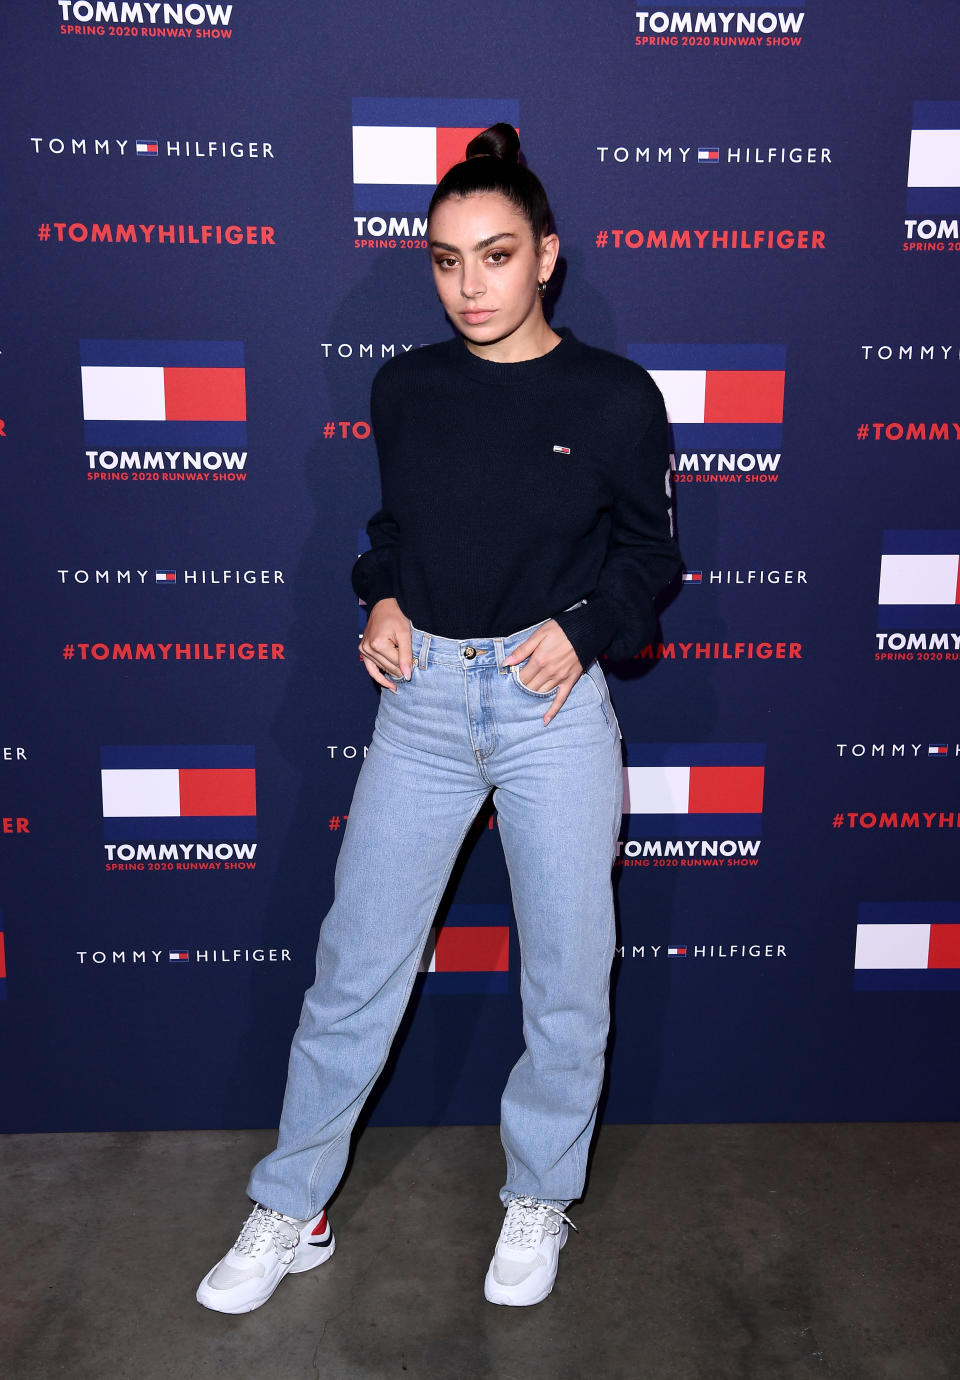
(269,1247)
(524,1264)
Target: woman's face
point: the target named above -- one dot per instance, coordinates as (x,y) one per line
(486,267)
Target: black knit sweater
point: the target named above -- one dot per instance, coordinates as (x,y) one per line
(512,491)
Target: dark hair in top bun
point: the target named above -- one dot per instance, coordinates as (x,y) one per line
(492,165)
(499,141)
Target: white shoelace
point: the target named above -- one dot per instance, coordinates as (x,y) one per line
(265,1229)
(526,1218)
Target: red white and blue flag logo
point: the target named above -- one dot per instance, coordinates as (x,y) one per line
(684,789)
(179,956)
(908,946)
(919,580)
(178,792)
(719,396)
(708,155)
(936,750)
(933,172)
(469,952)
(403,145)
(148,148)
(163,393)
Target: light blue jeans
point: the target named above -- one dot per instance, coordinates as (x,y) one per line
(463,725)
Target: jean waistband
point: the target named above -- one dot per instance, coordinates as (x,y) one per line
(471,653)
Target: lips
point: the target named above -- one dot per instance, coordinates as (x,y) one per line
(476,318)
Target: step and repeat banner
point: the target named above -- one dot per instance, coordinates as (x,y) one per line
(214,235)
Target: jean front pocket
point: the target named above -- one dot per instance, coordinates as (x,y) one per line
(537,694)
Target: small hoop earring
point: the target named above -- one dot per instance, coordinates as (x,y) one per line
(541,289)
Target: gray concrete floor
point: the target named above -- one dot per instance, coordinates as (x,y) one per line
(704,1253)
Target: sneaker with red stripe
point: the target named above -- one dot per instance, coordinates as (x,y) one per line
(269,1247)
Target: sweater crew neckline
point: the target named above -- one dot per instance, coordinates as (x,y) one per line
(517,371)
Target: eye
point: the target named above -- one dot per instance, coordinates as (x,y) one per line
(498,257)
(446,262)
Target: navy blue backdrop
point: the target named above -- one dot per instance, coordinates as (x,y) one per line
(213,235)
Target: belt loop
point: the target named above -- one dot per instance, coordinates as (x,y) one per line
(424,653)
(498,650)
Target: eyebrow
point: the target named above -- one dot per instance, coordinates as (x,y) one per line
(480,244)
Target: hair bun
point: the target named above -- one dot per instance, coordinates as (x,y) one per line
(499,141)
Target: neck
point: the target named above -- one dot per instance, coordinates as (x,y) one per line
(531,340)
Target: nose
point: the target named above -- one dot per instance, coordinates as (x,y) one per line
(472,284)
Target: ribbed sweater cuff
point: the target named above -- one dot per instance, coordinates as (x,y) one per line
(590,628)
(379,586)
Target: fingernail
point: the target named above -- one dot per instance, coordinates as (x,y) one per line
(407,671)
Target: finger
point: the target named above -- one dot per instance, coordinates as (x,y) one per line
(538,679)
(544,671)
(558,700)
(542,674)
(374,672)
(524,650)
(383,654)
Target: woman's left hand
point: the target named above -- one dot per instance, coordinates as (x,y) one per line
(552,662)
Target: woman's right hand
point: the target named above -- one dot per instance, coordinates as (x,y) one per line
(385,645)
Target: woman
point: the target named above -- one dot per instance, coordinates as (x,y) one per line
(524,531)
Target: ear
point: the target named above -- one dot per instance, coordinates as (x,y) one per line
(549,252)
